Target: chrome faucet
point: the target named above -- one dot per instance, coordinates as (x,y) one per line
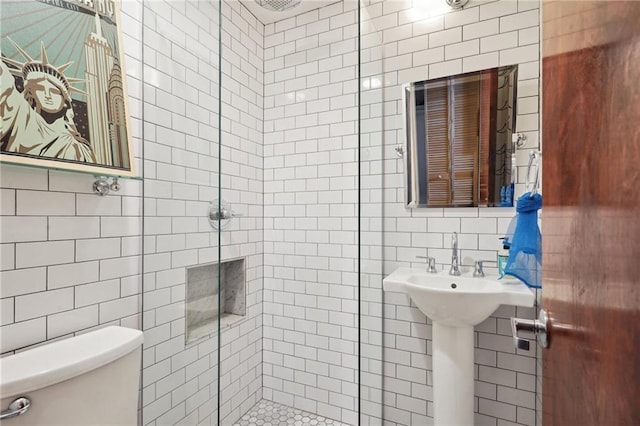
(455,264)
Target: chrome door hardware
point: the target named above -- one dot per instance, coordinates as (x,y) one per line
(539,327)
(18,407)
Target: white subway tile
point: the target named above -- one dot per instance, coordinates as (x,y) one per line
(42,203)
(92,294)
(7,202)
(426,26)
(499,42)
(68,228)
(70,182)
(44,253)
(481,29)
(459,50)
(71,321)
(120,226)
(414,44)
(529,36)
(497,409)
(497,9)
(443,38)
(21,334)
(44,303)
(428,56)
(20,177)
(306,18)
(6,311)
(92,205)
(71,274)
(119,267)
(461,17)
(480,62)
(20,229)
(519,21)
(98,248)
(445,69)
(396,33)
(7,256)
(520,54)
(119,308)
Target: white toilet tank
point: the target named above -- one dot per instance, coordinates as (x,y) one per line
(91,379)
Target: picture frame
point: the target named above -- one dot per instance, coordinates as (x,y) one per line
(63,94)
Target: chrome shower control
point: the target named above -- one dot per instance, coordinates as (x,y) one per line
(220,213)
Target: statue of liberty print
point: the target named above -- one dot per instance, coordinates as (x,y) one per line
(63,101)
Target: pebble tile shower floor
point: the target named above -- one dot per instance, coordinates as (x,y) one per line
(267,413)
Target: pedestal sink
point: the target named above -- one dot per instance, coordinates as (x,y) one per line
(455,305)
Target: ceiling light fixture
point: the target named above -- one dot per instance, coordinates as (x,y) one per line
(457,4)
(278,5)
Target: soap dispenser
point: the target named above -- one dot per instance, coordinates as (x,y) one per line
(503,257)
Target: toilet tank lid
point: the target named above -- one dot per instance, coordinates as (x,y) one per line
(62,360)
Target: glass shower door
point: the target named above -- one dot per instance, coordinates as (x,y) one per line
(372,166)
(181,297)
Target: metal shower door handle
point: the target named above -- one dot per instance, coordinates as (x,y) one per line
(18,407)
(539,327)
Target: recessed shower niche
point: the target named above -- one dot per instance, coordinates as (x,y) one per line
(202,297)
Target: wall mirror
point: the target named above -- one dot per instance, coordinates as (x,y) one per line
(458,149)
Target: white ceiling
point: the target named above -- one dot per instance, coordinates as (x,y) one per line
(267,16)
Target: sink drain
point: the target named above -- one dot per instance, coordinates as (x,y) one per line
(454,285)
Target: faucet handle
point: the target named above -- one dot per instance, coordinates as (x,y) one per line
(432,264)
(477,269)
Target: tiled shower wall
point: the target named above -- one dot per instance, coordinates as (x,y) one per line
(310,141)
(405,41)
(181,180)
(70,260)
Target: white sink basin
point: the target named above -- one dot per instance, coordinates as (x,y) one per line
(457,301)
(455,305)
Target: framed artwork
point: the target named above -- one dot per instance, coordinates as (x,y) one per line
(63,95)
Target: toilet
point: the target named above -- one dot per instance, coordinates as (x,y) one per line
(90,379)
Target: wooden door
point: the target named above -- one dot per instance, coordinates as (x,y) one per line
(591,213)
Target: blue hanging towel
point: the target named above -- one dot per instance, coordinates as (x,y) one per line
(525,246)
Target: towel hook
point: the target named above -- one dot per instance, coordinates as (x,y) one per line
(533,156)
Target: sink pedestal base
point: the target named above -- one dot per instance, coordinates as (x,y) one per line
(453,383)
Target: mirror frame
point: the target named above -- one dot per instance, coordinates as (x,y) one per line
(406,149)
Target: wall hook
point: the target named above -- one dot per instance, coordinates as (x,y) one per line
(519,139)
(102,186)
(115,186)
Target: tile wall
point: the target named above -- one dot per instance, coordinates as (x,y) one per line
(404,41)
(71,260)
(310,188)
(310,146)
(180,381)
